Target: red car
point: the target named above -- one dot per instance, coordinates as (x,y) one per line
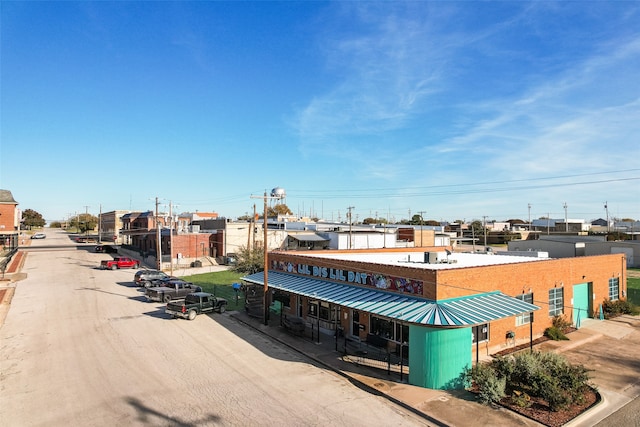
(119,262)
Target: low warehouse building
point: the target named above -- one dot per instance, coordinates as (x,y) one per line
(440,309)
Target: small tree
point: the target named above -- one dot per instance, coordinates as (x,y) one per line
(84,222)
(31,219)
(249,260)
(477,228)
(279,209)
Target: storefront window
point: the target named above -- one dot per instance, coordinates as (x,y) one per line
(325,312)
(480,333)
(313,308)
(382,328)
(388,329)
(323,309)
(402,332)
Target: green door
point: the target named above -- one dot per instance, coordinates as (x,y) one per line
(580,303)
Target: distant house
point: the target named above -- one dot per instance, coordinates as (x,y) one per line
(599,222)
(109,226)
(550,225)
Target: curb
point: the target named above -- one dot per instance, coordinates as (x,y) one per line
(590,411)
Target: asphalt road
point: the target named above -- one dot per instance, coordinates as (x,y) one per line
(80,347)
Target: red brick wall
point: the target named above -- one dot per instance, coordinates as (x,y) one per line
(511,279)
(7,217)
(191,245)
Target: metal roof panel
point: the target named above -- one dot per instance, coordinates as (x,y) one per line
(466,311)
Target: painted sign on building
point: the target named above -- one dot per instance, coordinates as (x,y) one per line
(375,280)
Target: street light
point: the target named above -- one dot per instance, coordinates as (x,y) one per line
(276,194)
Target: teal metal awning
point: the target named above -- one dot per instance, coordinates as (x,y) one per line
(457,312)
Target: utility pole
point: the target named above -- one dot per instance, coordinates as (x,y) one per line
(548,222)
(350,223)
(86,223)
(253,228)
(421,224)
(484,226)
(158,239)
(529,206)
(606,208)
(171,237)
(566,223)
(100,225)
(274,195)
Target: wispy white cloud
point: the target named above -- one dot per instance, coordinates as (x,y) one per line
(386,72)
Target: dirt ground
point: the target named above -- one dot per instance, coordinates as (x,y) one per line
(633,273)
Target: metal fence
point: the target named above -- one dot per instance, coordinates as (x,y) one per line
(390,360)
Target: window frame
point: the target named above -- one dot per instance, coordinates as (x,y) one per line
(556,302)
(485,333)
(525,319)
(614,289)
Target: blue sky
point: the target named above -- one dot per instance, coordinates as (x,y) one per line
(456,109)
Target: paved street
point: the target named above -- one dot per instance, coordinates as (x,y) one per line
(79,346)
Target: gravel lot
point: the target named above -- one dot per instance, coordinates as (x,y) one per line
(80,347)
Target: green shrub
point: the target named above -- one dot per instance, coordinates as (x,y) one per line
(619,307)
(561,323)
(548,376)
(521,399)
(503,366)
(551,391)
(555,334)
(490,388)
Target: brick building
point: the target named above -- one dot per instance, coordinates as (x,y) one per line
(446,308)
(9,220)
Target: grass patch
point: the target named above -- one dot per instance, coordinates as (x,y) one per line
(220,284)
(633,282)
(633,286)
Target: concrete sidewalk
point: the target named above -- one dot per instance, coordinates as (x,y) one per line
(459,407)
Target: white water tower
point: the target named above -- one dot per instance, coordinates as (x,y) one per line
(279,194)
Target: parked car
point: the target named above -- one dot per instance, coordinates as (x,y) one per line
(196,303)
(108,249)
(39,236)
(144,278)
(85,239)
(119,262)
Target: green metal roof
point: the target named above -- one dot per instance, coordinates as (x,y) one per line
(457,312)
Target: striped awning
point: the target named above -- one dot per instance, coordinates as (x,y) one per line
(458,312)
